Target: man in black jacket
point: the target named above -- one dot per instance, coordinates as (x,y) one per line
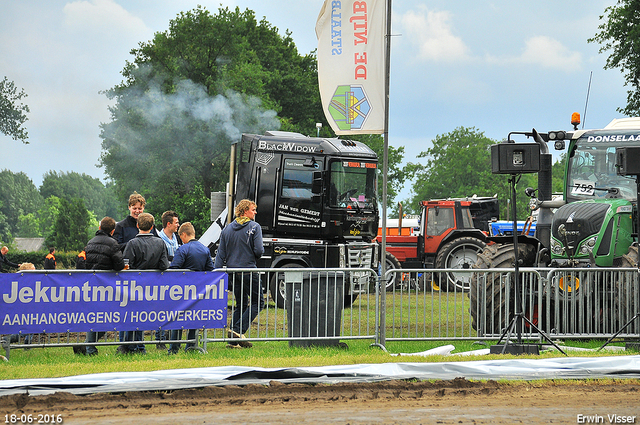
(50,259)
(102,253)
(145,252)
(4,261)
(127,229)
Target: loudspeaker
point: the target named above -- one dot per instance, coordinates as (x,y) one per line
(628,161)
(515,158)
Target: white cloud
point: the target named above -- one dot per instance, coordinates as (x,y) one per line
(546,52)
(432,33)
(102,16)
(550,53)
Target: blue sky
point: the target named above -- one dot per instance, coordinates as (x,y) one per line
(498,66)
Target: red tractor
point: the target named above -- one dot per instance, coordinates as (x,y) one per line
(449,235)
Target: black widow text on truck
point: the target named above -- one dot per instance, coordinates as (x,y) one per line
(317,204)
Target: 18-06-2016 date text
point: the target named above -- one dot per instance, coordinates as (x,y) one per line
(39,418)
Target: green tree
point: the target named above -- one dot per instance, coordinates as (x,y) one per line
(231,50)
(72,227)
(190,93)
(18,196)
(459,165)
(47,215)
(620,36)
(29,226)
(12,113)
(98,198)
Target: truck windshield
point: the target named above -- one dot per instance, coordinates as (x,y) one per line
(353,184)
(592,170)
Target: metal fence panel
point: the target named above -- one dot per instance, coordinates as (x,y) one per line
(321,306)
(327,306)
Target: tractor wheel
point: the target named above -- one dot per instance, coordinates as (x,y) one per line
(627,293)
(491,294)
(392,263)
(462,254)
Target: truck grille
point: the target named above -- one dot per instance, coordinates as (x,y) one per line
(361,257)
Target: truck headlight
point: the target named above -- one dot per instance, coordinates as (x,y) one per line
(588,245)
(556,247)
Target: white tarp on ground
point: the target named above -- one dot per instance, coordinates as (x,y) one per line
(521,369)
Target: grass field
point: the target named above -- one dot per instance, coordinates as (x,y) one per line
(426,319)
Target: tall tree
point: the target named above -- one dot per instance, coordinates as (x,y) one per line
(620,35)
(72,227)
(18,196)
(12,113)
(190,93)
(459,165)
(47,215)
(98,198)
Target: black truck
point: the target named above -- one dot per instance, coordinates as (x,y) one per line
(317,204)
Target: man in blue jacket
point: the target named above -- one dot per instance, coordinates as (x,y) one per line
(240,247)
(192,255)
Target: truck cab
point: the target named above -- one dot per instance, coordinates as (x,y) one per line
(317,203)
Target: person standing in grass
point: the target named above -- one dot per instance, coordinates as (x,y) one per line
(241,247)
(101,253)
(50,259)
(145,252)
(192,255)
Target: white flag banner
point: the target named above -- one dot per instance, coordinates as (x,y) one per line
(351,64)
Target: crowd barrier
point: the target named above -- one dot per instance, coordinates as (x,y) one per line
(578,303)
(315,306)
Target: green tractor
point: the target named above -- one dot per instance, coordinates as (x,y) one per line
(593,225)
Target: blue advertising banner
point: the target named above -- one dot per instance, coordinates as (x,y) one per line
(35,302)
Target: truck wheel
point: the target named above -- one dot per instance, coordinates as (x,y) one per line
(491,310)
(461,253)
(627,293)
(277,287)
(392,263)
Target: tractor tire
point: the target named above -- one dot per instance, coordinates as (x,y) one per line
(627,295)
(491,296)
(392,263)
(461,253)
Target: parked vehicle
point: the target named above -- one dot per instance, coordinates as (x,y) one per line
(448,236)
(593,225)
(317,204)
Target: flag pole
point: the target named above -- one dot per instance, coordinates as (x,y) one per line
(385,166)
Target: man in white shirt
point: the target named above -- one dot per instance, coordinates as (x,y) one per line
(170,225)
(169,235)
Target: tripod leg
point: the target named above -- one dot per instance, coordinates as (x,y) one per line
(620,331)
(543,334)
(508,332)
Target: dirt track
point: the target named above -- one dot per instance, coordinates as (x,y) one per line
(442,402)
